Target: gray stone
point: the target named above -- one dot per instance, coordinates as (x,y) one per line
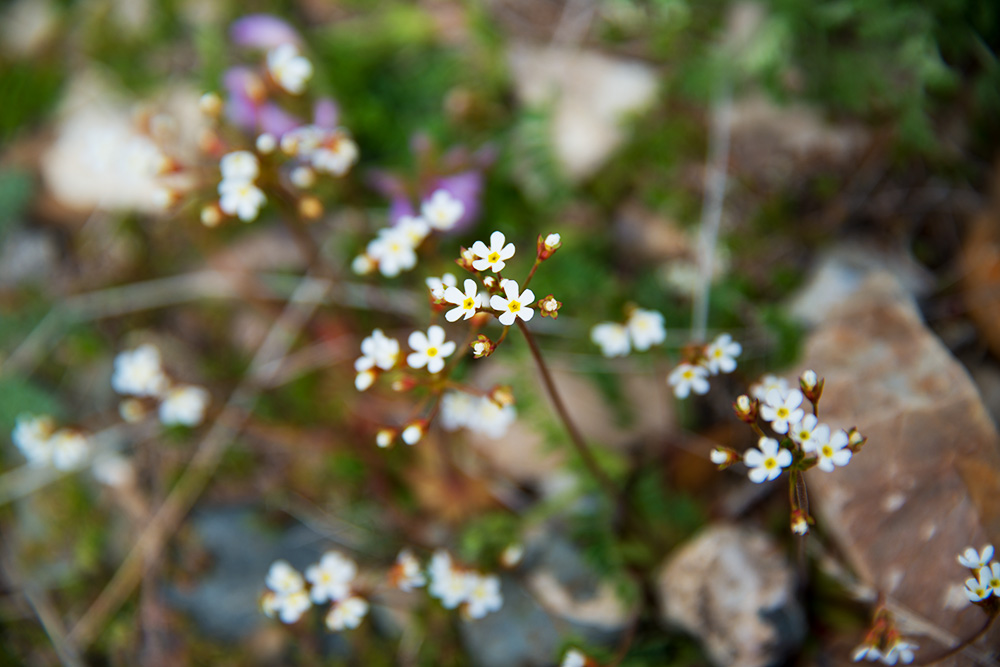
(732,588)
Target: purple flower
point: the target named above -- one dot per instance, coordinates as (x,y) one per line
(262,31)
(466,187)
(325,113)
(273,119)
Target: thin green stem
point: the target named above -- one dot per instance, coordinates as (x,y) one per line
(531,274)
(574,434)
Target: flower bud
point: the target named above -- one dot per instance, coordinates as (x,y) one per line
(549,307)
(482,347)
(302,177)
(800,522)
(404,383)
(855,441)
(385,437)
(465,260)
(746,409)
(266,143)
(512,555)
(363,265)
(310,208)
(724,457)
(210,104)
(502,395)
(364,380)
(548,245)
(811,385)
(132,410)
(211,215)
(412,434)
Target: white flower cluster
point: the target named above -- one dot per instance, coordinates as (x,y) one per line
(332,581)
(43,445)
(719,356)
(325,150)
(139,373)
(289,69)
(237,193)
(480,414)
(642,330)
(379,352)
(900,651)
(986,571)
(477,593)
(394,250)
(780,406)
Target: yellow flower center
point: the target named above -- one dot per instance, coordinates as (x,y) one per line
(493,257)
(514,306)
(469,303)
(782,413)
(432,352)
(770,463)
(688,374)
(827,451)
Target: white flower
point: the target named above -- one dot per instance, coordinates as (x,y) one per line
(494,257)
(687,378)
(31,435)
(901,651)
(452,588)
(347,614)
(552,241)
(458,409)
(412,434)
(302,177)
(762,387)
(113,470)
(289,599)
(429,349)
(239,166)
(291,607)
(266,143)
(69,449)
(993,573)
(766,463)
(336,155)
(492,419)
(384,437)
(408,573)
(393,252)
(442,210)
(483,594)
(721,354)
(377,350)
(515,305)
(331,578)
(646,328)
(466,304)
(241,198)
(364,379)
(809,433)
(978,589)
(437,286)
(612,338)
(139,372)
(869,653)
(834,453)
(185,405)
(414,230)
(975,560)
(288,68)
(283,579)
(781,411)
(362,265)
(573,658)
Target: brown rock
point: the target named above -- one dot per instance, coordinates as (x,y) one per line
(733,589)
(927,485)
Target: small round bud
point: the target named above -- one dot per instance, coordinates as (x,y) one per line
(808,379)
(211,215)
(746,409)
(482,347)
(490,282)
(132,410)
(302,177)
(363,265)
(465,259)
(364,380)
(724,457)
(385,437)
(512,555)
(412,434)
(548,245)
(549,307)
(164,198)
(502,395)
(855,441)
(800,522)
(210,104)
(404,383)
(266,143)
(310,208)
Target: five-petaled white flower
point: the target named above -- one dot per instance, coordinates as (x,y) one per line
(442,210)
(612,338)
(139,372)
(393,252)
(289,68)
(331,578)
(974,560)
(782,411)
(483,594)
(288,597)
(515,305)
(437,286)
(721,353)
(762,387)
(347,614)
(239,166)
(466,304)
(493,257)
(184,405)
(241,198)
(377,350)
(833,453)
(766,462)
(429,349)
(809,433)
(414,230)
(687,378)
(645,328)
(978,588)
(32,435)
(992,572)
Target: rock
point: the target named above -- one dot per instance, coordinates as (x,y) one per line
(840,272)
(591,93)
(927,484)
(733,589)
